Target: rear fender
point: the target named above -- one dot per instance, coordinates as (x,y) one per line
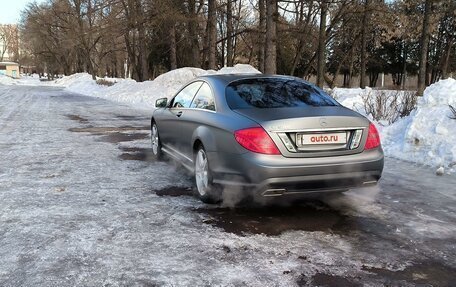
(204,135)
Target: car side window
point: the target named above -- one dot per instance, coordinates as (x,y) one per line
(204,99)
(185,96)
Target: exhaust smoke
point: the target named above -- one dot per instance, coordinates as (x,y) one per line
(355,200)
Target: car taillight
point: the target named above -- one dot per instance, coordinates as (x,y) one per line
(256,140)
(373,138)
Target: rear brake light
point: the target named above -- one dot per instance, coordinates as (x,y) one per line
(256,140)
(373,138)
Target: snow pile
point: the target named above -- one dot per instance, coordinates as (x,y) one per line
(428,135)
(5,80)
(81,83)
(391,102)
(142,95)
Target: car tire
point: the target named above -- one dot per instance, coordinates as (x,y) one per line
(155,142)
(207,191)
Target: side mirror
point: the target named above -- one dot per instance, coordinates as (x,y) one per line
(161,103)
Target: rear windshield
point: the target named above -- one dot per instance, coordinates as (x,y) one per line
(275,93)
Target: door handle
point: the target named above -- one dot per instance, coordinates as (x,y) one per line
(178,114)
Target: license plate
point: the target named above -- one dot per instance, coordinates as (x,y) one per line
(317,139)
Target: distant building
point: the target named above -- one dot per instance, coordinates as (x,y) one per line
(27,69)
(10,69)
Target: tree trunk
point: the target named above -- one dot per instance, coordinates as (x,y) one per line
(270,65)
(424,45)
(404,66)
(350,70)
(144,67)
(223,41)
(212,33)
(321,62)
(172,47)
(142,49)
(261,34)
(131,53)
(193,34)
(364,32)
(346,77)
(446,59)
(427,77)
(451,40)
(373,77)
(229,33)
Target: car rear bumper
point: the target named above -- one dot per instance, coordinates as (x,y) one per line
(271,175)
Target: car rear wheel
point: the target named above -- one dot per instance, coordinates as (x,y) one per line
(207,191)
(156,143)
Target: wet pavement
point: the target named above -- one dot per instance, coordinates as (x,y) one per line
(87,205)
(274,220)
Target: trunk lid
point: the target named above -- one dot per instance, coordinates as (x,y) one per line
(312,131)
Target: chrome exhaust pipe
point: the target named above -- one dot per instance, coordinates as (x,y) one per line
(274,192)
(370,182)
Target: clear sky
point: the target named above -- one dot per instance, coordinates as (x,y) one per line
(10,10)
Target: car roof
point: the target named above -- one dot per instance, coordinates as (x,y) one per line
(228,78)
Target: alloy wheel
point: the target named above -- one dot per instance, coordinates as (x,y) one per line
(202,172)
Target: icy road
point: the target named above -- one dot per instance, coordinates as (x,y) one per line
(82,204)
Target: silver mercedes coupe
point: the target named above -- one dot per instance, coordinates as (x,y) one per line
(270,135)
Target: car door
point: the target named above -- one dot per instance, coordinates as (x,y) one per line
(201,111)
(170,126)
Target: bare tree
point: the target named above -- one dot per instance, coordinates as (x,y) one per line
(9,42)
(325,38)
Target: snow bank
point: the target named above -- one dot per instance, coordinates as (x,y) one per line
(391,102)
(5,80)
(428,135)
(142,95)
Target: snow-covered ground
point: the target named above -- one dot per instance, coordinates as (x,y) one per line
(427,136)
(82,205)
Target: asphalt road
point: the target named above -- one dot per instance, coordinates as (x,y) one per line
(83,204)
